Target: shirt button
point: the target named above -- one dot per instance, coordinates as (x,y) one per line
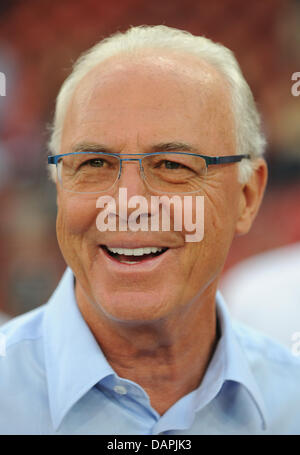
(120,389)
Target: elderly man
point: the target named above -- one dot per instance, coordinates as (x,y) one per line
(136,339)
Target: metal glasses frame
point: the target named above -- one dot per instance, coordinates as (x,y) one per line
(209,160)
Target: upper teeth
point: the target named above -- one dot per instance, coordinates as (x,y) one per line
(135,251)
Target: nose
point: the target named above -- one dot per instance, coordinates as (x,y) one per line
(131,178)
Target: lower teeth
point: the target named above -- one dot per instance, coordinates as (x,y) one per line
(129,262)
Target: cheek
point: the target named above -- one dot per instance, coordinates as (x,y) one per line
(222,204)
(76,215)
(220,217)
(217,214)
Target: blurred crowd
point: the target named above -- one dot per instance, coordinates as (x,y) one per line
(39,41)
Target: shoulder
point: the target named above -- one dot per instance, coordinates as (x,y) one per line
(25,327)
(277,373)
(23,383)
(260,347)
(21,346)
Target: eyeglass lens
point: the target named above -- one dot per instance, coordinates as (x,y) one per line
(93,173)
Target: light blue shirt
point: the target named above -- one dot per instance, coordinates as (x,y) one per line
(54,379)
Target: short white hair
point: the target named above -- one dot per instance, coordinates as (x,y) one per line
(249,136)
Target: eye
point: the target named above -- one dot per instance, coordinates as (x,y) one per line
(95,162)
(171,165)
(167,164)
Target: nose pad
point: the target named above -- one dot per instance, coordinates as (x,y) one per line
(132,178)
(131,208)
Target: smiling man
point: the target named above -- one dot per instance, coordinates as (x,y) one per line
(136,339)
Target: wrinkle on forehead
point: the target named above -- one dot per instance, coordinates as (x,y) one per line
(164,84)
(183,70)
(158,61)
(175,66)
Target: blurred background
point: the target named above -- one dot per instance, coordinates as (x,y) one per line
(39,41)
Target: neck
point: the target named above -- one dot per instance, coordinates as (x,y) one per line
(168,358)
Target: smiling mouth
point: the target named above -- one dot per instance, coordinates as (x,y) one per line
(133,255)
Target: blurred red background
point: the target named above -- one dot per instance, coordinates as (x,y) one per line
(39,41)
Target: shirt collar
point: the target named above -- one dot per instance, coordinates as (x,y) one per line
(75,362)
(231,354)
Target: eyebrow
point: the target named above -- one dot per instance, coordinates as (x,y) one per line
(91,147)
(161,147)
(173,147)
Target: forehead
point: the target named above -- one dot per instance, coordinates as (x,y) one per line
(168,93)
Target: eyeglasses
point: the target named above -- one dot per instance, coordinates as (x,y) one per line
(163,172)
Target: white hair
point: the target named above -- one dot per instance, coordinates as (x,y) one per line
(249,136)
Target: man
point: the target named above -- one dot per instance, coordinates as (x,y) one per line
(136,339)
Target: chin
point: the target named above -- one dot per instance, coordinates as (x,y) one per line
(133,306)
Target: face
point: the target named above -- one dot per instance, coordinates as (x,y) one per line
(130,107)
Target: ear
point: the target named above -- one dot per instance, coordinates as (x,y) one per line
(251,196)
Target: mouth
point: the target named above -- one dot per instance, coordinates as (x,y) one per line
(132,256)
